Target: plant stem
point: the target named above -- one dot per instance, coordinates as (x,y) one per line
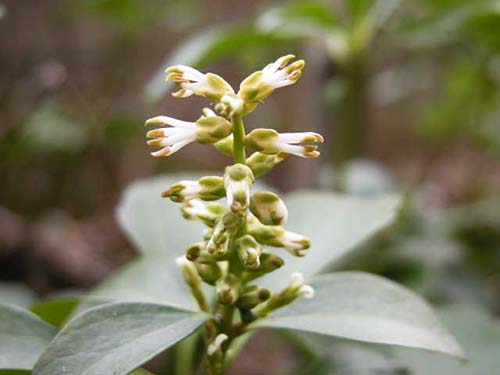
(238,140)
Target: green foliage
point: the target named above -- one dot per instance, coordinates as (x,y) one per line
(116,338)
(368,308)
(23,337)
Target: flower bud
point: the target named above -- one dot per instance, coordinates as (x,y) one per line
(195,250)
(207,188)
(274,235)
(228,289)
(259,85)
(209,271)
(269,141)
(249,251)
(194,82)
(268,263)
(193,281)
(268,208)
(209,214)
(287,295)
(251,296)
(225,228)
(225,145)
(216,345)
(261,163)
(212,129)
(238,180)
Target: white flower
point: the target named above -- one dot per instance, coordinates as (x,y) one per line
(295,243)
(262,83)
(207,188)
(278,74)
(170,139)
(207,129)
(269,141)
(193,81)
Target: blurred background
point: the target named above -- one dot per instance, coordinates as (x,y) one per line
(407,94)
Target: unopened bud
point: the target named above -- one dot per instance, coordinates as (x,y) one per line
(268,263)
(251,296)
(249,251)
(228,289)
(238,181)
(287,295)
(215,346)
(261,163)
(225,145)
(268,208)
(207,188)
(212,129)
(209,271)
(195,250)
(193,280)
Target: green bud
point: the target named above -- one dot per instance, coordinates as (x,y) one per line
(225,145)
(249,251)
(268,208)
(195,250)
(228,289)
(251,296)
(238,181)
(225,228)
(209,271)
(193,280)
(212,129)
(261,163)
(286,296)
(268,263)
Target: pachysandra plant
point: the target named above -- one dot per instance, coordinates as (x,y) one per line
(234,280)
(231,253)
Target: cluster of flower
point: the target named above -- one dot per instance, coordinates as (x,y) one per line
(231,254)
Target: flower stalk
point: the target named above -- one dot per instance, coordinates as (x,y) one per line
(231,255)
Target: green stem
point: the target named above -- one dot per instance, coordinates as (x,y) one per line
(238,140)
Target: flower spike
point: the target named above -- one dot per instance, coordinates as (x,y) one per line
(269,141)
(195,82)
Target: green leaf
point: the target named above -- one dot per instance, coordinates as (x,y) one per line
(140,371)
(299,19)
(365,307)
(55,311)
(17,294)
(335,224)
(23,337)
(116,338)
(477,331)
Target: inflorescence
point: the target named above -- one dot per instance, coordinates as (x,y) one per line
(231,254)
